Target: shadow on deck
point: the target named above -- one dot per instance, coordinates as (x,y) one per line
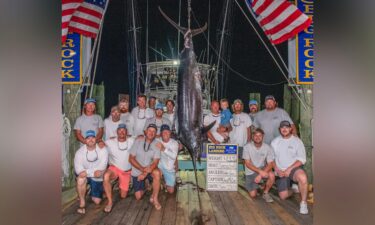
(222,208)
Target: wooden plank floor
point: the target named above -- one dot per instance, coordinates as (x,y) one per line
(183,208)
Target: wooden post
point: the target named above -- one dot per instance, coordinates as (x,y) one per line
(255,96)
(70,92)
(295,108)
(98,94)
(287,99)
(305,127)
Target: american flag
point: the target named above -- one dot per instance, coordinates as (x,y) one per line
(279,19)
(82,16)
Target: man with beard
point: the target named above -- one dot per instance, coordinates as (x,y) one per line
(241,122)
(89,121)
(269,119)
(253,108)
(144,157)
(119,166)
(140,114)
(290,156)
(126,116)
(90,162)
(158,119)
(151,102)
(170,115)
(256,154)
(111,123)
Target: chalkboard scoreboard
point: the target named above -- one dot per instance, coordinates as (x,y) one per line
(222,167)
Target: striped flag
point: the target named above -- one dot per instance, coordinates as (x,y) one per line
(82,16)
(279,19)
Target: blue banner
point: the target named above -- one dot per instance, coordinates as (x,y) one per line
(222,149)
(305,46)
(71,59)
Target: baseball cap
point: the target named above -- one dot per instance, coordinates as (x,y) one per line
(164,127)
(152,125)
(90,133)
(121,125)
(269,97)
(159,106)
(253,102)
(285,123)
(88,100)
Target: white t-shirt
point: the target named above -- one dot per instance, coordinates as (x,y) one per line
(171,117)
(119,153)
(208,119)
(90,161)
(287,151)
(128,119)
(258,156)
(110,128)
(169,155)
(240,122)
(140,116)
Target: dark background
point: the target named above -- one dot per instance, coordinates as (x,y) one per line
(248,55)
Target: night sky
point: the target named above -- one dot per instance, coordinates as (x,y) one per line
(248,55)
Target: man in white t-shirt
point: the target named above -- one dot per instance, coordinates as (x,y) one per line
(158,119)
(213,134)
(259,159)
(90,162)
(140,114)
(169,151)
(126,116)
(89,121)
(269,119)
(290,156)
(119,165)
(170,115)
(111,123)
(240,122)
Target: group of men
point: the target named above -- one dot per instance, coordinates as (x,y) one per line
(267,142)
(139,145)
(133,147)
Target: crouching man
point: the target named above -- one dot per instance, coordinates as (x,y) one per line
(90,162)
(119,166)
(144,157)
(169,151)
(256,154)
(290,155)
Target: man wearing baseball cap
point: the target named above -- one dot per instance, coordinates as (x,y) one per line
(158,120)
(253,108)
(144,158)
(269,119)
(290,156)
(89,121)
(90,162)
(111,123)
(169,151)
(119,165)
(140,114)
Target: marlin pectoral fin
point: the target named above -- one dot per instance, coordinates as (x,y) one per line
(207,128)
(181,29)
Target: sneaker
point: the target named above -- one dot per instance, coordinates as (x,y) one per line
(178,180)
(303,208)
(267,197)
(295,188)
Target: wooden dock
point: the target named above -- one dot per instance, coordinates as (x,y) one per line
(181,208)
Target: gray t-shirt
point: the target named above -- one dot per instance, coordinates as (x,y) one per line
(258,156)
(269,122)
(85,123)
(144,154)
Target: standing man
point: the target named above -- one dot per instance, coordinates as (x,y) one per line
(214,134)
(170,115)
(169,151)
(269,119)
(241,122)
(144,157)
(140,114)
(119,166)
(151,102)
(253,108)
(126,116)
(89,121)
(290,156)
(256,154)
(111,123)
(158,119)
(90,162)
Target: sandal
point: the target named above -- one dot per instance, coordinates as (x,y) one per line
(157,206)
(108,208)
(152,200)
(81,210)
